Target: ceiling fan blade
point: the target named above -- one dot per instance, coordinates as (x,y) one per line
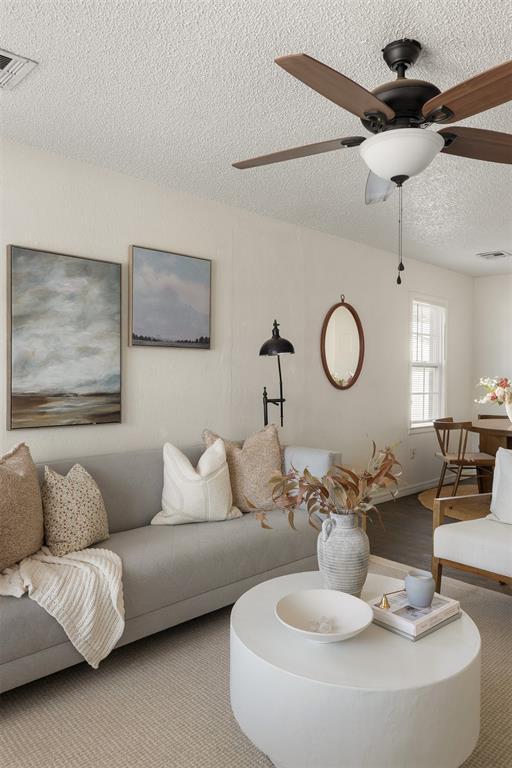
(377,190)
(479,144)
(484,91)
(305,151)
(334,86)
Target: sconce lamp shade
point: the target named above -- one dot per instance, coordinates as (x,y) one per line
(276,345)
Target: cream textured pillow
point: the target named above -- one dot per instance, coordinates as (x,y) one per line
(501,500)
(21,513)
(250,467)
(196,495)
(74,513)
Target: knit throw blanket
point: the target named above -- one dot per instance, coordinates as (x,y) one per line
(83,591)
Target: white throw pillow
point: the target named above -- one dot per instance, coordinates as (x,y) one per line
(196,495)
(501,502)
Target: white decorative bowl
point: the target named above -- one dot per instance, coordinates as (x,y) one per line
(324,615)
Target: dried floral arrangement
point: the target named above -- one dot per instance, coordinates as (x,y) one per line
(340,491)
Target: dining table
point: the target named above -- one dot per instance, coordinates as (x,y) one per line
(493,434)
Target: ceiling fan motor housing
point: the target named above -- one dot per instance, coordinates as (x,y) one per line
(406,97)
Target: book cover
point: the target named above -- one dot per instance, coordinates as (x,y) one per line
(413,621)
(426,632)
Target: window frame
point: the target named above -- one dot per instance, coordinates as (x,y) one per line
(441,366)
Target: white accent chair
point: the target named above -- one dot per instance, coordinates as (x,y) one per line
(482,542)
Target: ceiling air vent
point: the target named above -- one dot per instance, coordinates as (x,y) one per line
(489,255)
(13,69)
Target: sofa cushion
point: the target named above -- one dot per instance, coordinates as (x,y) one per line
(21,511)
(165,564)
(26,628)
(196,495)
(482,543)
(251,467)
(74,512)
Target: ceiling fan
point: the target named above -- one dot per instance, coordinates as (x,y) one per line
(393,113)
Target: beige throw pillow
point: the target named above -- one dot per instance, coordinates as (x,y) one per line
(21,513)
(250,467)
(74,513)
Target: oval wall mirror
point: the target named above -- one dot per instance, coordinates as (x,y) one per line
(342,345)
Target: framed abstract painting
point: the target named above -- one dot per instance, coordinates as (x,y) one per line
(170,299)
(64,339)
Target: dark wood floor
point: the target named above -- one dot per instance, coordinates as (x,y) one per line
(407,538)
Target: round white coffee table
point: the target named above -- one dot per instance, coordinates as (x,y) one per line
(374,701)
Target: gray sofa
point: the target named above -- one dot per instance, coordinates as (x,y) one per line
(170,573)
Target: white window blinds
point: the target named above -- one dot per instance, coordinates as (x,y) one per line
(427,363)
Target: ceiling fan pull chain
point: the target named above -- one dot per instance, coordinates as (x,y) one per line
(400,261)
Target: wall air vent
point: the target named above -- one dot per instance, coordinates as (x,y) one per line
(490,255)
(13,69)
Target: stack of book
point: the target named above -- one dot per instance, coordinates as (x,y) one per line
(414,623)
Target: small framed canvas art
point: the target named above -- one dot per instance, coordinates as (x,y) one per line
(170,299)
(64,339)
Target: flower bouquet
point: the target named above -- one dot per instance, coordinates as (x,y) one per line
(498,392)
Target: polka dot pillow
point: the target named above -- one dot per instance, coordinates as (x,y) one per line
(74,513)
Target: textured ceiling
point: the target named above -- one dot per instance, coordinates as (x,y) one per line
(174,91)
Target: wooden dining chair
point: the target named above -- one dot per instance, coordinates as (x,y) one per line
(456,458)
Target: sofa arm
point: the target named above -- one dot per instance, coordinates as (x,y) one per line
(317,460)
(461,507)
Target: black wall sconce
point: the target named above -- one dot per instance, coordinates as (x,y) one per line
(275,346)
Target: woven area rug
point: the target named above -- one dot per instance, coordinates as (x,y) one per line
(427,497)
(163,702)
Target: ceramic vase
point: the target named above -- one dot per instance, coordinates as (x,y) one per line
(343,553)
(508,407)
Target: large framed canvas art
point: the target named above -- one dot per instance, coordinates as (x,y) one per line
(169,299)
(64,339)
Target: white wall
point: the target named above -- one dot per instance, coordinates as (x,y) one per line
(263,269)
(492,324)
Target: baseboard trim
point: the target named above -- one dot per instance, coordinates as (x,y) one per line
(407,490)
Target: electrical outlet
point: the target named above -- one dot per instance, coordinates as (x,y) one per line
(412,454)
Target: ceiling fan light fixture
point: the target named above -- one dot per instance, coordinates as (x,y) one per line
(400,152)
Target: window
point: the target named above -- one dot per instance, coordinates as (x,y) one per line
(427,363)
